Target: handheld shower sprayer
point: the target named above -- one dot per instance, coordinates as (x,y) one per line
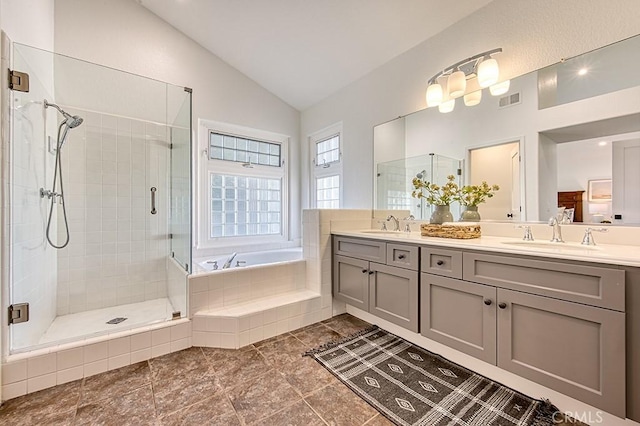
(69,122)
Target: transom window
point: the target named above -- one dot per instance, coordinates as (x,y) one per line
(328,151)
(243,150)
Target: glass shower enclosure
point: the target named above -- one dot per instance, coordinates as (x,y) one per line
(394,187)
(98,202)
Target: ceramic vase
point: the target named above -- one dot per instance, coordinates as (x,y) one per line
(441,214)
(470,214)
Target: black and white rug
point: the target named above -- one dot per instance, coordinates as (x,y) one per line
(412,386)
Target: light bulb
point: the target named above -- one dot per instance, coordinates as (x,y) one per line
(457,84)
(447,106)
(500,88)
(488,72)
(434,95)
(473,98)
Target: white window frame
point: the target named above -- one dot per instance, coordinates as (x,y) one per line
(207,166)
(322,170)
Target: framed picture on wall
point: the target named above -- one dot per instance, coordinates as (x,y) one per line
(600,190)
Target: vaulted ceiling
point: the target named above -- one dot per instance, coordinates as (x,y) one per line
(305,50)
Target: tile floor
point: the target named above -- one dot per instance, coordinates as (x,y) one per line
(267,383)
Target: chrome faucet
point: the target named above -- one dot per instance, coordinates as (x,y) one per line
(227,264)
(396,222)
(556,222)
(588,240)
(407,225)
(528,235)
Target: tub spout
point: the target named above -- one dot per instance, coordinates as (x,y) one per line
(227,264)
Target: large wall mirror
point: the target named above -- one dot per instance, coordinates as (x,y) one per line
(565,135)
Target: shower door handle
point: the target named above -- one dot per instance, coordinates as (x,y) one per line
(153,200)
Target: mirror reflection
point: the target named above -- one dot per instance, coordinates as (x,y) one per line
(564,136)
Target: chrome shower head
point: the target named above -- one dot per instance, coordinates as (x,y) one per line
(72,120)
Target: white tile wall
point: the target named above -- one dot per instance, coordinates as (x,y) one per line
(117,251)
(36,370)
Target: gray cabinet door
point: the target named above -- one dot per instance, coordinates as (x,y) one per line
(403,256)
(351,281)
(393,295)
(445,262)
(460,315)
(575,349)
(375,251)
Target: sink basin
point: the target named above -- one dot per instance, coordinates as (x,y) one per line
(549,245)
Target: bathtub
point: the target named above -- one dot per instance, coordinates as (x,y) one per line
(251,259)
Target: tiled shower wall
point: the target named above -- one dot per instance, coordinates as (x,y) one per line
(117,251)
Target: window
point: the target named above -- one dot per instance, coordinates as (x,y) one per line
(326,179)
(243,185)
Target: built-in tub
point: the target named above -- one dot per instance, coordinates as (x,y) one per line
(252,259)
(264,274)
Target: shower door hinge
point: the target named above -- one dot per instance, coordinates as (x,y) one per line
(170,236)
(176,315)
(18,312)
(171,146)
(18,81)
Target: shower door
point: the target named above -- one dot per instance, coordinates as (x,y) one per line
(126,175)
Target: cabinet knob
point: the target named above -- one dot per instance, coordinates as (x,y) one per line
(401,256)
(502,305)
(488,302)
(370,272)
(364,271)
(440,262)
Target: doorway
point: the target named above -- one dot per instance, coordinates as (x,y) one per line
(498,164)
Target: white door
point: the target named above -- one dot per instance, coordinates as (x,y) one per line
(497,165)
(625,198)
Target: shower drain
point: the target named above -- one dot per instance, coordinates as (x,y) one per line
(116,320)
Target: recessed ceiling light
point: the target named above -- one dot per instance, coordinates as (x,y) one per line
(603,143)
(582,71)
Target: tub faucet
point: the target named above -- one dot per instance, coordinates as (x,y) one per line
(396,223)
(227,264)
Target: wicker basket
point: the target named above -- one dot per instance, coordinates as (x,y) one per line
(450,231)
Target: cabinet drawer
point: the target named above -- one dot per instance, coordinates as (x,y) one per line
(586,284)
(362,249)
(447,263)
(403,256)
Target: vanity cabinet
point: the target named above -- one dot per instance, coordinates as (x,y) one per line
(560,324)
(378,277)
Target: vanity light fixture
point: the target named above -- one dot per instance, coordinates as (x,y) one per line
(482,66)
(447,106)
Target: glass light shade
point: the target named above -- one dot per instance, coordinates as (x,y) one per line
(488,72)
(473,98)
(457,84)
(434,95)
(500,88)
(447,106)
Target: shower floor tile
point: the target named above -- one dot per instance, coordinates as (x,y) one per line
(88,323)
(195,386)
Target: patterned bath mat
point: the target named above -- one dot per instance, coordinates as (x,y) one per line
(412,386)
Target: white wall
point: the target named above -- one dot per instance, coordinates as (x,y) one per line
(28,22)
(124,35)
(533,34)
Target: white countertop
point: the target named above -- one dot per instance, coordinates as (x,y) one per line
(602,253)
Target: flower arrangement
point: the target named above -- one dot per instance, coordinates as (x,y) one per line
(472,195)
(468,195)
(435,194)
